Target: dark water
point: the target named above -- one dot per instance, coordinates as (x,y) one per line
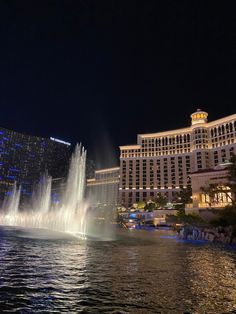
(140,272)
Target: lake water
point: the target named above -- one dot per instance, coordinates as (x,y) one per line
(139,272)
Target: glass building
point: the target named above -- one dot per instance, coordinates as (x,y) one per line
(24,158)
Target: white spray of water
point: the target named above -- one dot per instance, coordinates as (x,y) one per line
(11,204)
(72,211)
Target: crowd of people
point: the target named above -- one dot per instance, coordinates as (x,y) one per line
(224,235)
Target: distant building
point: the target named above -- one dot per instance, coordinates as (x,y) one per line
(102,190)
(24,158)
(163,161)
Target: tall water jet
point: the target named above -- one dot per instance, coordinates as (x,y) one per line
(11,206)
(42,196)
(73,208)
(75,184)
(11,203)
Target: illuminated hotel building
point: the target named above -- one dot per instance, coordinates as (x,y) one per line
(163,161)
(24,158)
(102,190)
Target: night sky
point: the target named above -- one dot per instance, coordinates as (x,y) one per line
(99,72)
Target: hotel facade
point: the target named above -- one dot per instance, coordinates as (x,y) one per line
(163,162)
(102,190)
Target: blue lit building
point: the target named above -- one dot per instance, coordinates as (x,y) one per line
(24,158)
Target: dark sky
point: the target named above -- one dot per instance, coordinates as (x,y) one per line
(100,72)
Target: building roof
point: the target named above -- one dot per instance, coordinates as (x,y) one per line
(189,129)
(104,170)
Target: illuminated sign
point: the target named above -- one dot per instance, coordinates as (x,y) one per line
(59,141)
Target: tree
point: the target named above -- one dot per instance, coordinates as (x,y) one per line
(226,217)
(150,206)
(141,205)
(182,218)
(183,197)
(160,200)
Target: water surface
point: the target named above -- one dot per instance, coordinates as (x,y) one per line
(140,272)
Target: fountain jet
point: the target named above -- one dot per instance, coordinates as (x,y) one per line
(69,216)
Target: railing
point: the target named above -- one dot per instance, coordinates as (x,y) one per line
(207,205)
(213,205)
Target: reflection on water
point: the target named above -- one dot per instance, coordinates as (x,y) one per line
(213,269)
(141,272)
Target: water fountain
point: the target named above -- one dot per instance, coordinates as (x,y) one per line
(41,198)
(10,205)
(69,216)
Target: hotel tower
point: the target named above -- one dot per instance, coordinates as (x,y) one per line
(162,162)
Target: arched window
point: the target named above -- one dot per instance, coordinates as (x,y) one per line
(231,126)
(223,129)
(215,131)
(227,128)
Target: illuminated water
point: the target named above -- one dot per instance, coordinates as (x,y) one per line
(141,272)
(69,215)
(11,204)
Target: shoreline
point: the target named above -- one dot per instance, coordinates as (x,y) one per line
(216,235)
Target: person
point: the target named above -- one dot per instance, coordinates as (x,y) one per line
(181,233)
(185,233)
(178,231)
(195,233)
